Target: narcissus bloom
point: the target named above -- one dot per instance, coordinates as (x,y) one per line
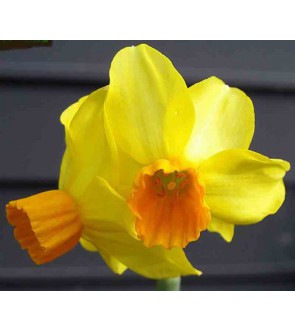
(149,165)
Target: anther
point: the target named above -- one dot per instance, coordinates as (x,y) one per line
(171,185)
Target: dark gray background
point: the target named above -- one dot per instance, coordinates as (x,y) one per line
(37,84)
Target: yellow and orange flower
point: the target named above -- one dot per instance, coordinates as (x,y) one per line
(149,165)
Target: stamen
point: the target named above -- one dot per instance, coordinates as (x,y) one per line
(171,185)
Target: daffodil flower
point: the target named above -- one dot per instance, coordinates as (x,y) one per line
(149,165)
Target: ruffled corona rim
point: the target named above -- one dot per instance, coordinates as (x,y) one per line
(46,224)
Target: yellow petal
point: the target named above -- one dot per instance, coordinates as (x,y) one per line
(155,263)
(90,148)
(129,169)
(242,186)
(66,171)
(101,202)
(226,230)
(68,114)
(87,245)
(148,105)
(115,265)
(111,261)
(224,119)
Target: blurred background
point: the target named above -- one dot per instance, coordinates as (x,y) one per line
(37,84)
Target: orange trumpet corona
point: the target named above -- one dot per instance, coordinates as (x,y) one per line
(47,224)
(169,205)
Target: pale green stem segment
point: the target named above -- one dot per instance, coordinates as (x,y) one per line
(170,284)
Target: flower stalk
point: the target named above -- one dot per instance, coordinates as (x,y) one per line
(169,284)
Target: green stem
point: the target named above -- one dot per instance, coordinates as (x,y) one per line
(170,284)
